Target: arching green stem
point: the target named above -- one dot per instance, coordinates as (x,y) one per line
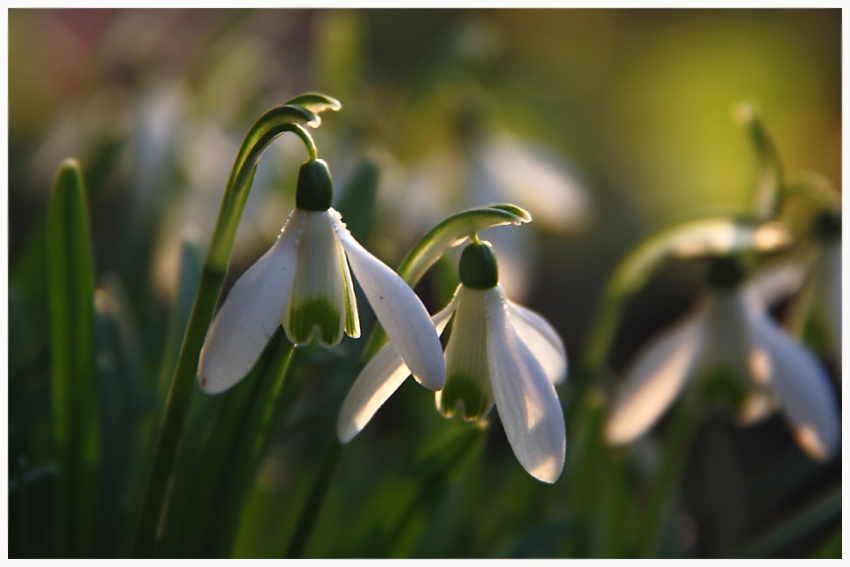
(434,244)
(769,171)
(272,124)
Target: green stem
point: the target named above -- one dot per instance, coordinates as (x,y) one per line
(154,503)
(265,130)
(313,505)
(681,431)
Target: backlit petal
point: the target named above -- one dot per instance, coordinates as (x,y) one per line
(467,384)
(542,339)
(376,383)
(656,378)
(250,313)
(806,397)
(399,310)
(527,401)
(318,301)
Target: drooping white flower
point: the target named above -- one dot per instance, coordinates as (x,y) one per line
(498,353)
(731,329)
(814,272)
(303,282)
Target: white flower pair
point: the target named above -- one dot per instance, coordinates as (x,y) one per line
(499,352)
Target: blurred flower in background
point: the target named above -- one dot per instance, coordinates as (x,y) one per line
(602,123)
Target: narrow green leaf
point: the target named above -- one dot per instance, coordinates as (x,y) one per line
(234,448)
(357,203)
(190,273)
(119,362)
(800,525)
(75,408)
(832,548)
(440,464)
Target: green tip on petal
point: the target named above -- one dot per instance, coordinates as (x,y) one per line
(315,186)
(313,314)
(466,391)
(478,268)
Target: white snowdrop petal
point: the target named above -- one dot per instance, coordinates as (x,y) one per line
(780,281)
(250,313)
(655,379)
(399,310)
(352,317)
(376,383)
(317,305)
(527,401)
(533,177)
(806,397)
(542,339)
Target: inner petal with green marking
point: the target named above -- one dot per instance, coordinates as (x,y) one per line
(318,304)
(467,387)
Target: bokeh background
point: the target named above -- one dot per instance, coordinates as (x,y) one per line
(631,111)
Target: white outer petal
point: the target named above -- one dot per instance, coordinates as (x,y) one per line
(377,381)
(543,340)
(534,178)
(399,310)
(806,397)
(528,403)
(250,313)
(779,281)
(655,379)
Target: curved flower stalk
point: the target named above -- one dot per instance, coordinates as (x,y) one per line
(303,282)
(498,352)
(731,329)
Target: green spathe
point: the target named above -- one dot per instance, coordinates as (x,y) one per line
(317,313)
(315,186)
(478,268)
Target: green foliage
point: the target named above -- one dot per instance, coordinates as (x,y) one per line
(76,415)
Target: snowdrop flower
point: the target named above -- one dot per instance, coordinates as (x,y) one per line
(816,270)
(303,282)
(731,329)
(498,353)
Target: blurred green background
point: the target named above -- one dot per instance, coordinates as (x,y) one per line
(635,107)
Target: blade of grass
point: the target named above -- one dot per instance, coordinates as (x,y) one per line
(75,411)
(799,526)
(233,451)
